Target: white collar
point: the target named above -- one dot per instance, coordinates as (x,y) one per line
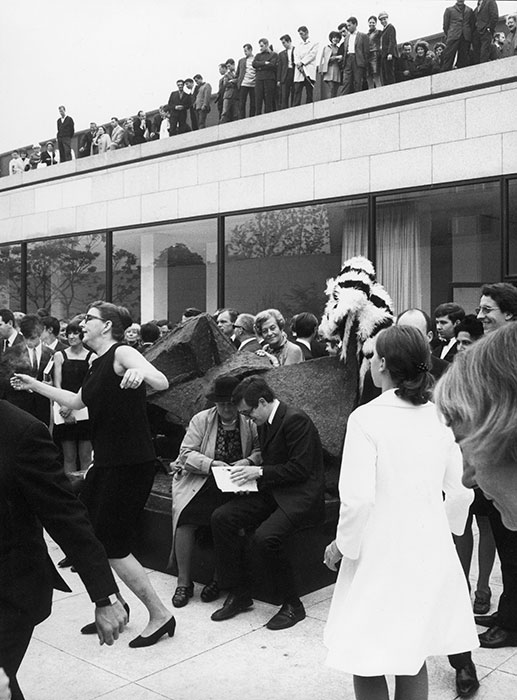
(276,404)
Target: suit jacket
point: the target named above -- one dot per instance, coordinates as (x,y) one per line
(362,48)
(389,42)
(16,359)
(486,16)
(35,493)
(177,99)
(265,65)
(449,357)
(203,97)
(241,70)
(282,66)
(292,459)
(250,345)
(458,23)
(65,128)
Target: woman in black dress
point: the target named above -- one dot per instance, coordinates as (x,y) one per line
(117,486)
(72,429)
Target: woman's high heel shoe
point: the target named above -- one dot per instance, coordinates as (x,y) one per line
(91,627)
(167,628)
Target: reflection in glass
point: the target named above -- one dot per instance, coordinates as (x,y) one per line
(65,274)
(437,246)
(512,227)
(161,270)
(10,279)
(282,258)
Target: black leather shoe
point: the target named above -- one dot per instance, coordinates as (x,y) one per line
(233,605)
(482,602)
(287,616)
(486,620)
(210,592)
(466,680)
(91,627)
(182,594)
(497,637)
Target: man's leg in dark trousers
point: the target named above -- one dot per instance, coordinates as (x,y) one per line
(15,635)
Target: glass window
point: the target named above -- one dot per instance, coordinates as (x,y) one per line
(282,258)
(438,246)
(512,226)
(160,271)
(10,279)
(65,274)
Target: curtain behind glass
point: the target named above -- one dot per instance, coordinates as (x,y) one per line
(355,232)
(399,254)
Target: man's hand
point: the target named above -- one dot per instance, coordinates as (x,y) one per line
(241,463)
(332,556)
(240,475)
(110,621)
(5,693)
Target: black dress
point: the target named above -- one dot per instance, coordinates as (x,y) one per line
(73,373)
(116,488)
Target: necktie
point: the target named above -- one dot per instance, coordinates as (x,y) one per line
(34,359)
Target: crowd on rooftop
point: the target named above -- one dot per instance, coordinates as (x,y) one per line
(266,80)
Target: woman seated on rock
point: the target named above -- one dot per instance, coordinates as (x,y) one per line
(215,437)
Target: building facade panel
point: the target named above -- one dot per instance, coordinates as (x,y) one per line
(461,160)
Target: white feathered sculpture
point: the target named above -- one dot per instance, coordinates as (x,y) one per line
(356,301)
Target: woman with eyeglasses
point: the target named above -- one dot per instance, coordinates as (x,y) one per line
(117,486)
(400,595)
(216,437)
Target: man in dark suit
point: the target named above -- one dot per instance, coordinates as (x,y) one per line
(85,146)
(355,50)
(388,49)
(285,72)
(50,335)
(447,316)
(458,23)
(35,493)
(305,329)
(486,16)
(65,131)
(290,493)
(31,357)
(179,104)
(244,332)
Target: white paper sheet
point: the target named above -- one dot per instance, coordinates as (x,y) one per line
(223,481)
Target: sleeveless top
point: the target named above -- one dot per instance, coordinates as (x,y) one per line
(120,430)
(73,372)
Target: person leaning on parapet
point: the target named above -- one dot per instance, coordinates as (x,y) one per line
(35,157)
(220,89)
(458,24)
(244,330)
(265,63)
(305,61)
(285,72)
(16,164)
(290,494)
(65,131)
(355,51)
(510,44)
(202,102)
(438,50)
(389,50)
(86,143)
(119,136)
(497,46)
(35,493)
(486,16)
(269,325)
(246,80)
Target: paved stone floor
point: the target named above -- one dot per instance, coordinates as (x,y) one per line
(236,660)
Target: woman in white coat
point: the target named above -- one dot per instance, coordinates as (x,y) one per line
(216,437)
(401,594)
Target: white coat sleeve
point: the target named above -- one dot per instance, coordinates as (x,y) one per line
(357,486)
(457,497)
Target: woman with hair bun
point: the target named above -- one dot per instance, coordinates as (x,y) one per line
(117,486)
(401,595)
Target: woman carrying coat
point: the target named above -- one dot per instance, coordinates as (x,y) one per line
(216,437)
